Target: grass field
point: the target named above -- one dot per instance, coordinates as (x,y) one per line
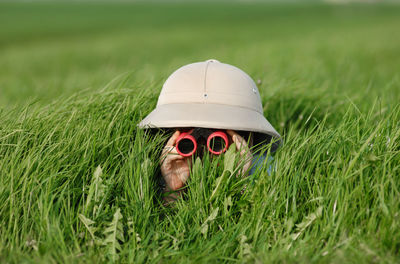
(78,180)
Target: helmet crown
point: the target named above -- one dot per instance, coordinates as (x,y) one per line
(211,82)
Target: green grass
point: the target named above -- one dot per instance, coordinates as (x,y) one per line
(78,180)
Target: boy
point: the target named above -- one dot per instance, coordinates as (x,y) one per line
(208,95)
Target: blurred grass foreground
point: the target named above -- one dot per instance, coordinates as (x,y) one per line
(78,180)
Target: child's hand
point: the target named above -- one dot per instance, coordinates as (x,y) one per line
(244,150)
(174,167)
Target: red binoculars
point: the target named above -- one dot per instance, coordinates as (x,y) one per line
(216,141)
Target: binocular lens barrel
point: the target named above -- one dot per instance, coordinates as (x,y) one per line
(186,146)
(217,144)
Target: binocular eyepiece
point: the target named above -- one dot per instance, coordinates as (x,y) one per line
(217,141)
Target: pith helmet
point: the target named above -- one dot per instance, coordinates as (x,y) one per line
(210,94)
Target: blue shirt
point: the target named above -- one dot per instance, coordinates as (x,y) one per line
(257,162)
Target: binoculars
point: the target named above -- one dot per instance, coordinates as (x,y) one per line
(215,140)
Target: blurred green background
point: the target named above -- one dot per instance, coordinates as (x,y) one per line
(328,74)
(50,50)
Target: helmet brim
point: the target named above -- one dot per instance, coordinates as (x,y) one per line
(216,116)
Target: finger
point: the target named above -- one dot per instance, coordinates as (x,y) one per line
(170,161)
(231,133)
(244,149)
(235,136)
(170,143)
(173,155)
(239,141)
(241,145)
(173,151)
(174,137)
(234,139)
(166,150)
(170,153)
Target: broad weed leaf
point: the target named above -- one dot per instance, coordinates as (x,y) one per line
(308,220)
(229,159)
(210,218)
(88,223)
(114,235)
